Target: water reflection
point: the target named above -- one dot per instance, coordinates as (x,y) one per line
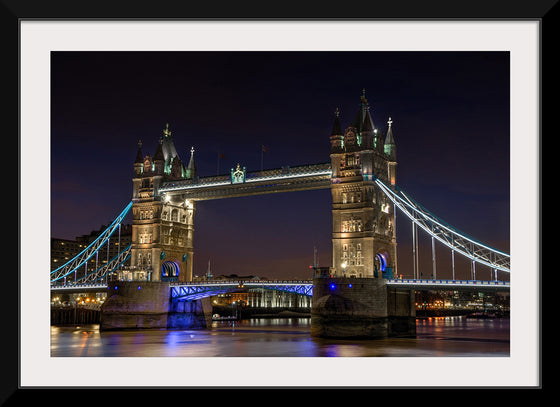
(284,337)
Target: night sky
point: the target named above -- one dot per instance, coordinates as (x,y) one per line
(450,114)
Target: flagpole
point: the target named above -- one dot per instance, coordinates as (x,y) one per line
(218,169)
(262,153)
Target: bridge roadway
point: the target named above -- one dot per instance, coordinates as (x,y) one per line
(197,290)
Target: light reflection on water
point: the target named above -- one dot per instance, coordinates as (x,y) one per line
(285,337)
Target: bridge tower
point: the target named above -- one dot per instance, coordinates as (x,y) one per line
(162,225)
(364,239)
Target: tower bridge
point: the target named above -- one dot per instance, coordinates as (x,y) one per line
(361,176)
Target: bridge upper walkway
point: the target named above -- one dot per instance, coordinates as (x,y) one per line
(297,178)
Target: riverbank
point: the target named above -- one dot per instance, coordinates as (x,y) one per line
(261,312)
(469,313)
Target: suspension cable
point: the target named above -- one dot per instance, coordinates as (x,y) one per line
(449,236)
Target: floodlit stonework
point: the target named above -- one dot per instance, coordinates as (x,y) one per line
(364,243)
(162,227)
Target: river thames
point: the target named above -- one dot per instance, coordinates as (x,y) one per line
(285,337)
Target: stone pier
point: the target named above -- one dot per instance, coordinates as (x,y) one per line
(361,308)
(185,314)
(138,305)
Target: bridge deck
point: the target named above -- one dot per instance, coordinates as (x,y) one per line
(304,287)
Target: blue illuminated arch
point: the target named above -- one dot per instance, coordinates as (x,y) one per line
(382,261)
(169,270)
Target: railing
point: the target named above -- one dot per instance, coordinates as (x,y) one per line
(193,290)
(73,287)
(450,283)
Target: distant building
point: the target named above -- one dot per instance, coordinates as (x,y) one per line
(63,250)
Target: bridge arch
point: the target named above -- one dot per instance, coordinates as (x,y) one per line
(169,270)
(381,261)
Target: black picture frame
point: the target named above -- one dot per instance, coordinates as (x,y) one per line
(12,12)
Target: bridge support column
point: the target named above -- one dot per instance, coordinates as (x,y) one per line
(135,304)
(361,308)
(185,314)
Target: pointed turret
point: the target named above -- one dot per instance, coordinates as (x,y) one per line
(367,133)
(363,116)
(390,150)
(167,146)
(139,156)
(337,138)
(159,162)
(390,147)
(336,131)
(367,125)
(158,155)
(363,124)
(191,169)
(139,162)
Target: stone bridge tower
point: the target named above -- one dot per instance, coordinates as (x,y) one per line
(162,225)
(364,243)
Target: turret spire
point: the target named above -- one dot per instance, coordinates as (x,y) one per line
(363,114)
(336,131)
(139,156)
(166,131)
(158,155)
(390,145)
(191,169)
(337,138)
